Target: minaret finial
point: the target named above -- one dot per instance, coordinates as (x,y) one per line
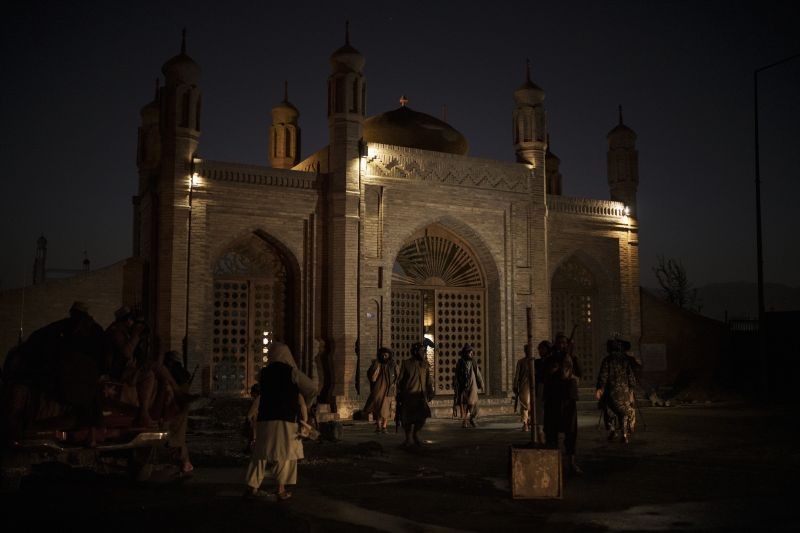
(620,114)
(183,41)
(347,32)
(285,90)
(528,70)
(403,101)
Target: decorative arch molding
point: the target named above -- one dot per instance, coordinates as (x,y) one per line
(221,247)
(599,273)
(455,297)
(582,295)
(255,288)
(463,232)
(437,257)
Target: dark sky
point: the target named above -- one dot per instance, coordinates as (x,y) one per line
(76,75)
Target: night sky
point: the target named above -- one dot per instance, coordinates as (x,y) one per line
(76,75)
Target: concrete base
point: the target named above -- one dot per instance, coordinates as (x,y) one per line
(536,473)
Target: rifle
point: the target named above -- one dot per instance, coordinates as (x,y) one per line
(570,345)
(191,378)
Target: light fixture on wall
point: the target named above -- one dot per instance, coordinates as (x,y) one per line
(194,181)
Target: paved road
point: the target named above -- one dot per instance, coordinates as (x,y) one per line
(693,468)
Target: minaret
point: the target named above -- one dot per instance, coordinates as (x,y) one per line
(148,153)
(552,174)
(529,122)
(284,134)
(346,110)
(347,94)
(180,108)
(40,261)
(623,165)
(148,161)
(179,117)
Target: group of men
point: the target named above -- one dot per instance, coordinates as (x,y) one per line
(408,388)
(554,395)
(72,367)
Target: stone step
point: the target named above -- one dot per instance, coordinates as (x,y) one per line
(494,405)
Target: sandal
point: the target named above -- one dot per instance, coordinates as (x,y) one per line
(282,496)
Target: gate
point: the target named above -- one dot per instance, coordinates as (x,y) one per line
(572,295)
(249,314)
(438,293)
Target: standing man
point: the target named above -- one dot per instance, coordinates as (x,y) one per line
(615,384)
(467,380)
(636,366)
(382,375)
(521,387)
(560,375)
(414,391)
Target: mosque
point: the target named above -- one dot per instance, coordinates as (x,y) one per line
(352,248)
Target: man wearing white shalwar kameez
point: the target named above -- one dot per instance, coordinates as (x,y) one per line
(280,409)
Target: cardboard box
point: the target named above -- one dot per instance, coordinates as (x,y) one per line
(536,473)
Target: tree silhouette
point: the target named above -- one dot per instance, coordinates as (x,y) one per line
(675,285)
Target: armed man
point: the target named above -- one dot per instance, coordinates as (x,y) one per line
(616,382)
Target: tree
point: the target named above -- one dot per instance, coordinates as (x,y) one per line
(675,284)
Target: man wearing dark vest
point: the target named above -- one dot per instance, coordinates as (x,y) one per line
(285,392)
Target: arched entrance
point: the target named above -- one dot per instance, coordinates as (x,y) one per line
(251,310)
(574,294)
(439,293)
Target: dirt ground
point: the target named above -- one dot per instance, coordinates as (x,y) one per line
(694,467)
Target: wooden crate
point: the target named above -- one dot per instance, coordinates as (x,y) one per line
(536,473)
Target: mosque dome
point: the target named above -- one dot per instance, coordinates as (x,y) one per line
(182,68)
(406,127)
(347,59)
(285,111)
(621,135)
(529,94)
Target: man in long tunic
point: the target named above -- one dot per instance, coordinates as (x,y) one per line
(414,391)
(382,375)
(467,380)
(521,387)
(615,384)
(279,412)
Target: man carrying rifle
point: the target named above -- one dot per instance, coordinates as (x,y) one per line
(616,382)
(560,375)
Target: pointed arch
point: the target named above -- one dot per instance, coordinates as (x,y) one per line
(254,292)
(445,287)
(577,285)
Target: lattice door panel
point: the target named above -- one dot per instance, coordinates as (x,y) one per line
(229,358)
(262,326)
(460,319)
(581,305)
(568,309)
(406,321)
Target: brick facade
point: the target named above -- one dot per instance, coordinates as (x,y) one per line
(337,221)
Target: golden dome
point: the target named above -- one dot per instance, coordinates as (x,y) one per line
(406,127)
